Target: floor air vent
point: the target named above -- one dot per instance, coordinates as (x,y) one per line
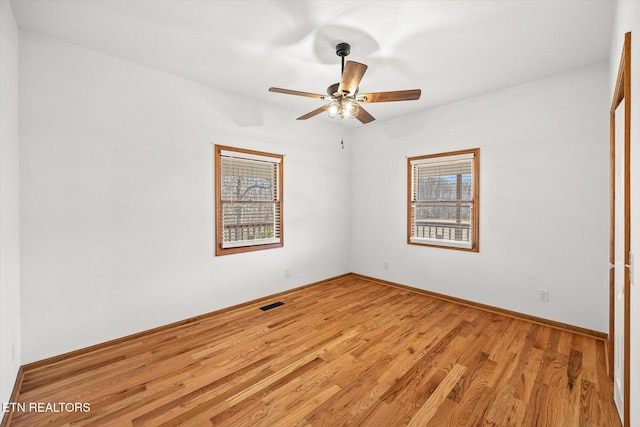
(270,306)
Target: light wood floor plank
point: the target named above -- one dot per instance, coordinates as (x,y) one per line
(351,351)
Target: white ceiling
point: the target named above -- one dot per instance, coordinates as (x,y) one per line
(450,49)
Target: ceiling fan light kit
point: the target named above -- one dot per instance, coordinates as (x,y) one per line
(343,108)
(344,96)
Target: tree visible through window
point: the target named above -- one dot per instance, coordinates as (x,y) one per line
(248,200)
(443,200)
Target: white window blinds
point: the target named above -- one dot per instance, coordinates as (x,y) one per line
(442,200)
(250,208)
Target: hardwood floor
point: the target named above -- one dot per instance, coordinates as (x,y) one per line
(350,352)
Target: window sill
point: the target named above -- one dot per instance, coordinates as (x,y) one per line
(442,243)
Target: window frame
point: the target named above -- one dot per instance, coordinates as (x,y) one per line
(279,222)
(475,216)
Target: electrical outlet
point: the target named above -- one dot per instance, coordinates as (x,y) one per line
(287,274)
(386,265)
(544,295)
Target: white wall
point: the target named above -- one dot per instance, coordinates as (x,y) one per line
(543,198)
(117,198)
(628,19)
(9,204)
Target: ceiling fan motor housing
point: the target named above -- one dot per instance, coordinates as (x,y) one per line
(333,89)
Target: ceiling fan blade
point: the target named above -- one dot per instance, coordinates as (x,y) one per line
(314,112)
(351,77)
(295,92)
(364,116)
(398,95)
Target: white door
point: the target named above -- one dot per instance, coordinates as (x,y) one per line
(618,350)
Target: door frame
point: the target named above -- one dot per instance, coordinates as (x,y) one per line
(622,93)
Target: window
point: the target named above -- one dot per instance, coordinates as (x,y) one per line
(443,200)
(248,200)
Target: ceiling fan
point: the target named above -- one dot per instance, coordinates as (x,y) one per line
(345,97)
